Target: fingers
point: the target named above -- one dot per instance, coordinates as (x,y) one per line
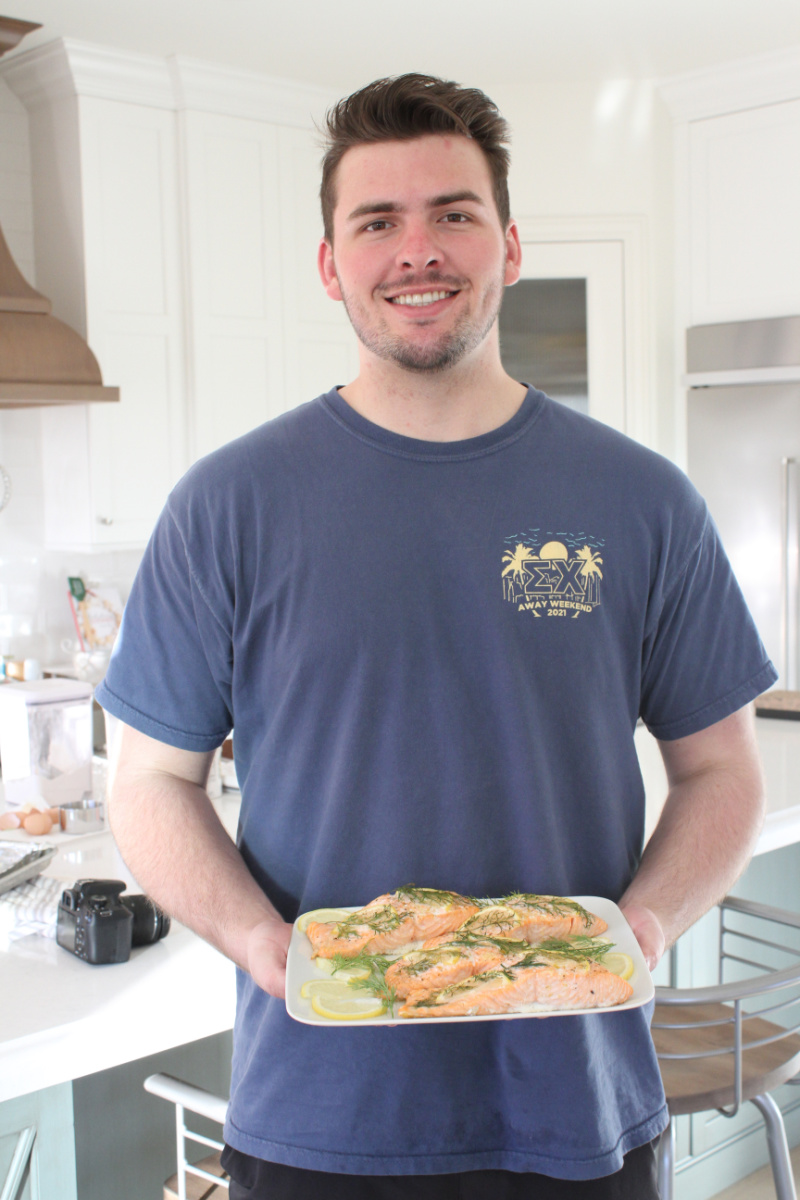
(267,948)
(648,932)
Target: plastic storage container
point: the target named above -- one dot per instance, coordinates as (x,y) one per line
(46,741)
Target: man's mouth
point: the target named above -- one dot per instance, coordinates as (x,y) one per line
(420,299)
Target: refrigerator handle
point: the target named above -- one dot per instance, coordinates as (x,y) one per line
(790,570)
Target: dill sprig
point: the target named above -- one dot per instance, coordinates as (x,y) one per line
(468,938)
(504,918)
(375,982)
(379,920)
(559,905)
(423,895)
(387,918)
(579,947)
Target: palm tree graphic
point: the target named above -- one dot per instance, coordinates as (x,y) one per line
(591,573)
(515,560)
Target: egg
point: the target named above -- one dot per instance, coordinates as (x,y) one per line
(37,823)
(10,820)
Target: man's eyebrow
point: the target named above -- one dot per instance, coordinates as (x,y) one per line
(374,207)
(456,198)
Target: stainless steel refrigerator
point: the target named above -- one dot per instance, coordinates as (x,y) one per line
(744,457)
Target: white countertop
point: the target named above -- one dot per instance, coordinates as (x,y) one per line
(779,743)
(63,1018)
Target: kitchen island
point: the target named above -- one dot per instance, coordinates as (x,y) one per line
(77,1040)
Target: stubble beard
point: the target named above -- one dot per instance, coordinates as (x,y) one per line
(466,335)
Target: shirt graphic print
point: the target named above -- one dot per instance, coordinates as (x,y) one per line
(552,574)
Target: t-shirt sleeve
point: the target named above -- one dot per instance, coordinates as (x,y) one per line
(170,675)
(702,657)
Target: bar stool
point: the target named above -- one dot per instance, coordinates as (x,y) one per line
(203,1180)
(722,1045)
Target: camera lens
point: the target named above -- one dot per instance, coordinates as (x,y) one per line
(150,924)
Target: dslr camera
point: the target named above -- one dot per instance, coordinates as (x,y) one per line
(100,925)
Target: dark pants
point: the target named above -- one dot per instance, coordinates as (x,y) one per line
(254,1179)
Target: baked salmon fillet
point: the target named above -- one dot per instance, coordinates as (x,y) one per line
(450,961)
(535,979)
(523,915)
(410,914)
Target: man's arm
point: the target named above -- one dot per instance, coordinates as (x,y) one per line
(178,850)
(705,835)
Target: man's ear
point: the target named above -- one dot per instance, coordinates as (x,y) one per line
(327,270)
(513,255)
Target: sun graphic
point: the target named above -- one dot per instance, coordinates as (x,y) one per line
(553,550)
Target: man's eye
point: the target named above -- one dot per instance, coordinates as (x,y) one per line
(376,226)
(456,218)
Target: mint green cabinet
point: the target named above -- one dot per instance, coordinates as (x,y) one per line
(103,1136)
(37,1146)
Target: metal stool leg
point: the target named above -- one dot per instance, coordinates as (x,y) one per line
(666,1163)
(778,1147)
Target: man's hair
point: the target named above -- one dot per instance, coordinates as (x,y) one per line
(412,106)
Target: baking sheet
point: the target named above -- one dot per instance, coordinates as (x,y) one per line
(300,967)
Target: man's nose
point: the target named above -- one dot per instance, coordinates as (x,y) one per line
(418,249)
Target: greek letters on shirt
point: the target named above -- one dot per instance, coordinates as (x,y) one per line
(553,574)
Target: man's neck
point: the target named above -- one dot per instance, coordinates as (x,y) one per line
(446,406)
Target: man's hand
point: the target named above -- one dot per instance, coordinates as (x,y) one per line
(648,932)
(267,947)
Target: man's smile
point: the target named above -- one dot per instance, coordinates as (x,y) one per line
(420,299)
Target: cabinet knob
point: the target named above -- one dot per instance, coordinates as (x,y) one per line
(105,520)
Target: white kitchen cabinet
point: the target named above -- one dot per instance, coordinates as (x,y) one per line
(263,335)
(320,348)
(736,130)
(108,468)
(177,224)
(744,238)
(234,276)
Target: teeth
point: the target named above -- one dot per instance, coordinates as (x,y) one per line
(420,298)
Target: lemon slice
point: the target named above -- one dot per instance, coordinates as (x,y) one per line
(321,914)
(619,964)
(335,999)
(342,977)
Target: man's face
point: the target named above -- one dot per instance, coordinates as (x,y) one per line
(419,257)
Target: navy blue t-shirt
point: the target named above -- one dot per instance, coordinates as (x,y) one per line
(434,656)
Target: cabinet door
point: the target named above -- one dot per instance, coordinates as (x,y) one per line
(37,1145)
(744,201)
(320,348)
(234,273)
(136,448)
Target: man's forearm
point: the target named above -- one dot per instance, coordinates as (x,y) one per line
(706,834)
(175,845)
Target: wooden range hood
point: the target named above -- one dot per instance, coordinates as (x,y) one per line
(42,360)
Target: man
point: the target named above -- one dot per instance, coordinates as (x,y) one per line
(395,595)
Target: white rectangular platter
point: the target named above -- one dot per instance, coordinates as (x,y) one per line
(300,967)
